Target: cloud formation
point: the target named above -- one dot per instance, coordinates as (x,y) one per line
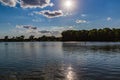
(50,14)
(26,27)
(28,30)
(80,21)
(27,3)
(11,3)
(35,3)
(44,31)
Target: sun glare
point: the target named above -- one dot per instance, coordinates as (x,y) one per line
(68,5)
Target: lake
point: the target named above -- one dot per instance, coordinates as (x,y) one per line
(60,61)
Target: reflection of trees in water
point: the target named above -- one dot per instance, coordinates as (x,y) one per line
(112,48)
(84,47)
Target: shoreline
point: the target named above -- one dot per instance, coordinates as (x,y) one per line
(59,41)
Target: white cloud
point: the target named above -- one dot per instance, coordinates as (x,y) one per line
(60,29)
(27,3)
(11,3)
(56,31)
(19,26)
(80,21)
(109,18)
(26,27)
(35,3)
(50,14)
(28,30)
(83,15)
(36,20)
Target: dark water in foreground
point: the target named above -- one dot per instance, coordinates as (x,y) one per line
(59,61)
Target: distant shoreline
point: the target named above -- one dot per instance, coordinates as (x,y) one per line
(59,41)
(94,35)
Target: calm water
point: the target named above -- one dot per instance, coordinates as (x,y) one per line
(59,61)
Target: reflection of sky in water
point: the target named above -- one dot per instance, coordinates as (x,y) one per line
(68,61)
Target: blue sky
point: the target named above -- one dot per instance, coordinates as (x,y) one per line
(43,16)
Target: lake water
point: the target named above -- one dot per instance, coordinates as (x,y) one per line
(59,61)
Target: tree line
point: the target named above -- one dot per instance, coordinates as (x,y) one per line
(105,34)
(31,38)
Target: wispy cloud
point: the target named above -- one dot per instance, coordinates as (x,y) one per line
(83,15)
(36,20)
(109,18)
(26,27)
(50,14)
(80,21)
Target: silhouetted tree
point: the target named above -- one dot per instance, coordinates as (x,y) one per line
(6,38)
(31,37)
(22,37)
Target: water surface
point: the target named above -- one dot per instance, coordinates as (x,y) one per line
(60,61)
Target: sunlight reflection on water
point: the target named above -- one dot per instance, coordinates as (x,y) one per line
(70,74)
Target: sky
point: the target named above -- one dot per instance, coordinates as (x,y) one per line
(51,17)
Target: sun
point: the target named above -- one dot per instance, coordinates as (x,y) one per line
(68,5)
